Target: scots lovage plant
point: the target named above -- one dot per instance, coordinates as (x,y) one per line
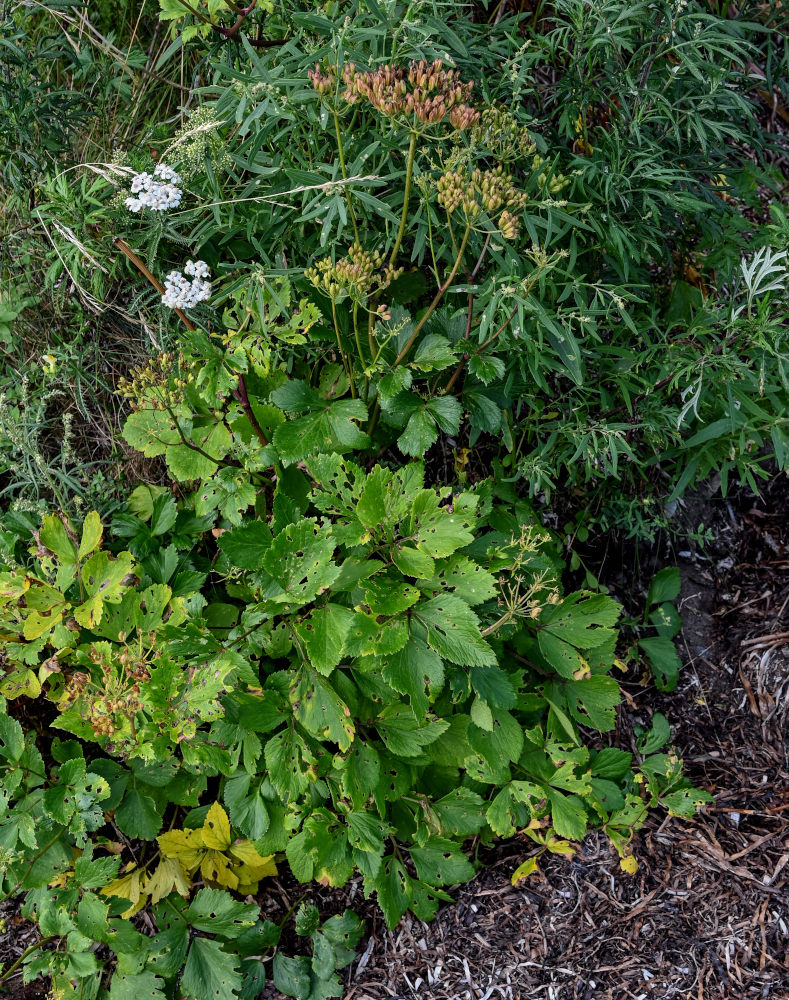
(376,672)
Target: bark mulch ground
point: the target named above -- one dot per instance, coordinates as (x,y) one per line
(707,914)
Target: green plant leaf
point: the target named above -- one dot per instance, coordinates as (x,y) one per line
(328,427)
(216,912)
(403,733)
(441,862)
(452,630)
(292,975)
(664,661)
(320,710)
(210,973)
(324,634)
(665,586)
(142,986)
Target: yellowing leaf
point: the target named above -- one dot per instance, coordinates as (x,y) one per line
(185,846)
(628,864)
(89,613)
(36,625)
(91,534)
(522,872)
(215,869)
(168,877)
(129,887)
(245,852)
(20,682)
(216,829)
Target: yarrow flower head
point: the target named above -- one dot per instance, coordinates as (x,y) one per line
(180,292)
(158,191)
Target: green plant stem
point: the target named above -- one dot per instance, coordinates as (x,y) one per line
(462,364)
(186,441)
(344,172)
(357,338)
(437,298)
(345,360)
(409,173)
(371,337)
(28,951)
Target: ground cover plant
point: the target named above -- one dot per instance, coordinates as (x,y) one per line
(395,291)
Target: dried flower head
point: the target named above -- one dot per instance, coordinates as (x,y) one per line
(424,91)
(324,80)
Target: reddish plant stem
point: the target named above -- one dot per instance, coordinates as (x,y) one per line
(127,250)
(463,361)
(232,31)
(241,395)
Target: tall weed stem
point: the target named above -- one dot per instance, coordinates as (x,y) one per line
(437,298)
(344,172)
(409,173)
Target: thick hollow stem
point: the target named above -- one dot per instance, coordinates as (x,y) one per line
(409,173)
(343,170)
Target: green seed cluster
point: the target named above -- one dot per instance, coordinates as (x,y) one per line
(490,191)
(360,275)
(159,383)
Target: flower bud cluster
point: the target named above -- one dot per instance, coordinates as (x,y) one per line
(553,185)
(182,293)
(323,82)
(489,191)
(360,275)
(158,383)
(500,133)
(158,191)
(425,91)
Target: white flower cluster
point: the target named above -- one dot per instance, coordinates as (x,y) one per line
(180,292)
(158,191)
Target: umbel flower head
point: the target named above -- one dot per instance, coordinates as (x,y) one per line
(488,191)
(158,191)
(424,91)
(182,293)
(359,275)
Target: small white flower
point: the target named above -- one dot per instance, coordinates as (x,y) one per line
(180,293)
(158,191)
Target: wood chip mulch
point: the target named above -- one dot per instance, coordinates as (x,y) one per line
(707,914)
